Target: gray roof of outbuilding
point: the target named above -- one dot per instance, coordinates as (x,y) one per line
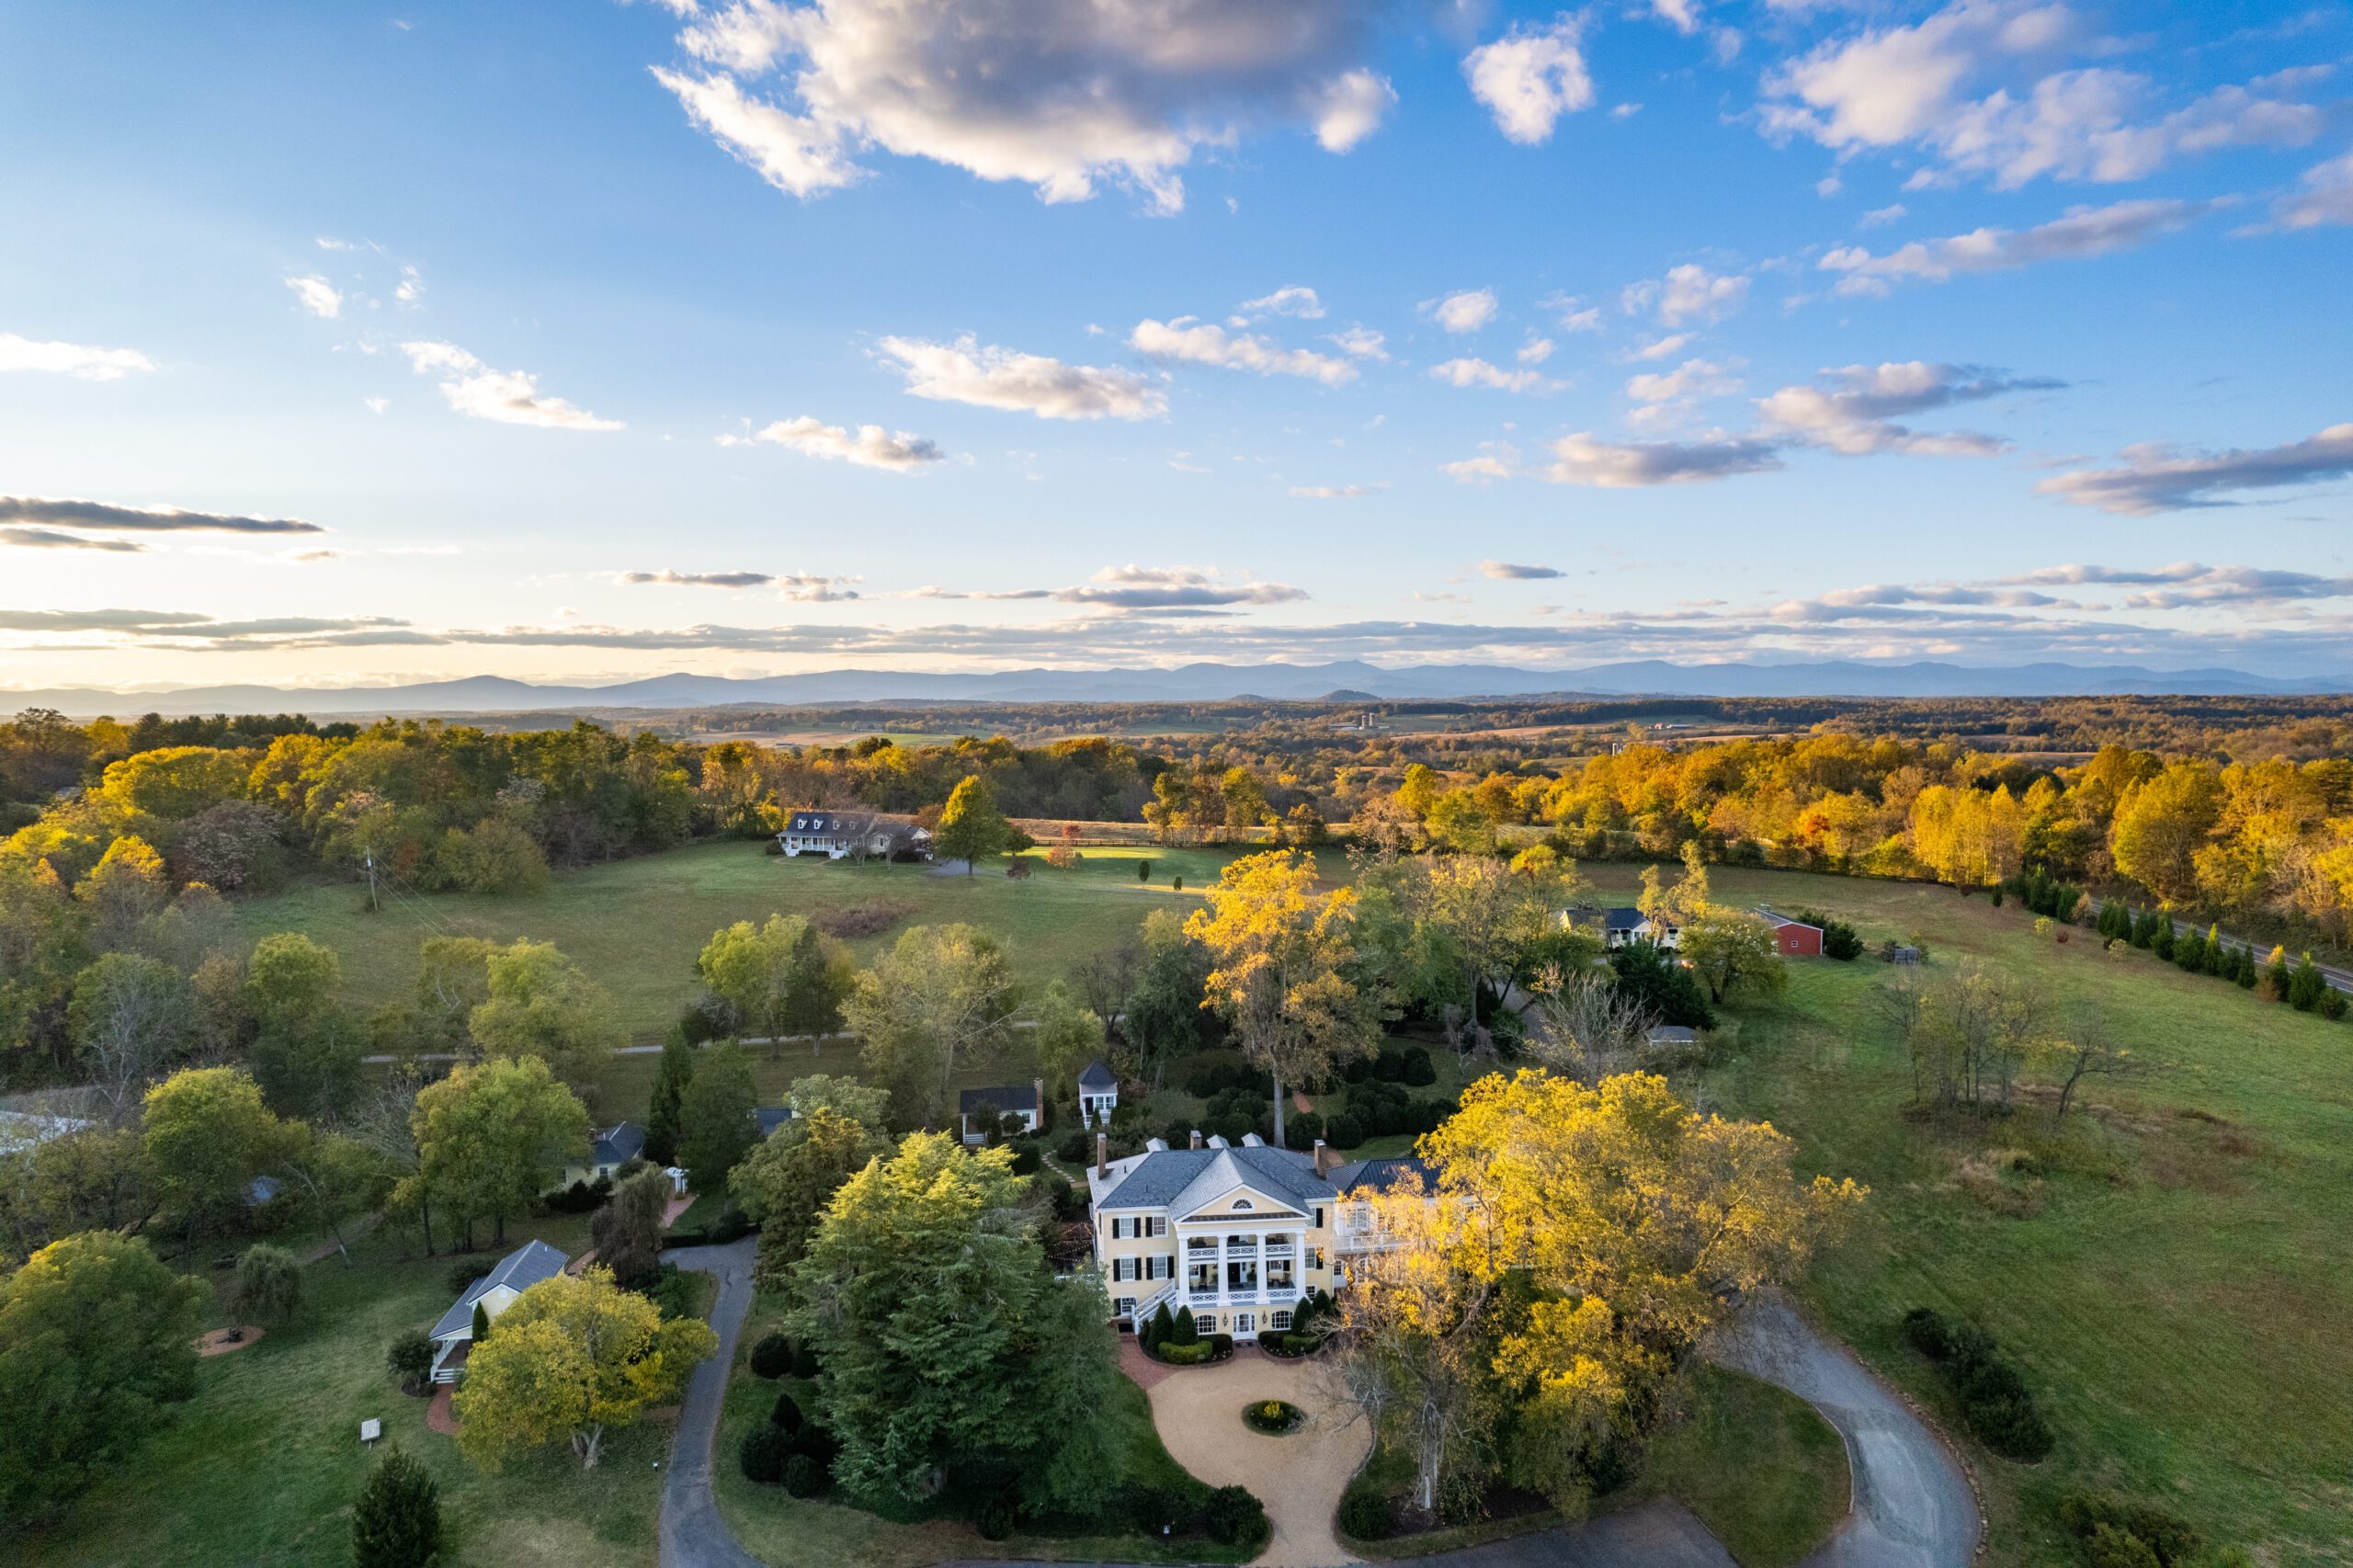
(1095,1075)
(1180,1179)
(618,1144)
(1379,1176)
(771,1117)
(518,1270)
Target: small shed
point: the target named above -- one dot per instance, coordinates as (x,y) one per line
(1669,1036)
(1098,1094)
(979,1112)
(1902,955)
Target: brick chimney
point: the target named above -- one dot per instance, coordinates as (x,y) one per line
(1324,1160)
(1103,1155)
(1197,1137)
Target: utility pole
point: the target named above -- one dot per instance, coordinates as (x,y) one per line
(371,883)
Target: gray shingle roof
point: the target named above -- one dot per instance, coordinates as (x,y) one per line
(518,1270)
(618,1144)
(1008,1098)
(771,1117)
(1182,1179)
(1095,1075)
(1621,917)
(1379,1176)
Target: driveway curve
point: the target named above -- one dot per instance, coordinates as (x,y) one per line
(693,1535)
(1197,1411)
(1913,1507)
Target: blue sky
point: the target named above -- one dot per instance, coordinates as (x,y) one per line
(581,340)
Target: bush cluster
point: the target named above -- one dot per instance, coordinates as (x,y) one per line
(2115,1533)
(788,1448)
(1366,1512)
(1232,1516)
(2301,985)
(1379,1107)
(1274,1417)
(1839,940)
(1395,1063)
(1994,1401)
(1212,1078)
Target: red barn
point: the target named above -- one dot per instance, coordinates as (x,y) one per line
(1795,937)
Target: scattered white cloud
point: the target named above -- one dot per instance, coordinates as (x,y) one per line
(1465,310)
(49,538)
(1496,459)
(2083,231)
(1510,571)
(509,397)
(963,372)
(1828,185)
(376,405)
(79,360)
(67,514)
(2190,584)
(1291,300)
(1877,217)
(802,587)
(1852,411)
(1202,343)
(868,446)
(2155,477)
(1060,95)
(2325,195)
(1919,85)
(412,286)
(1665,347)
(1172,588)
(317,295)
(1531,77)
(1336,492)
(1687,293)
(1535,351)
(1683,16)
(1690,382)
(1582,459)
(1470,372)
(1572,312)
(1360,343)
(1624,112)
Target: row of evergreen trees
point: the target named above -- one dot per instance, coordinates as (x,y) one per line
(2301,985)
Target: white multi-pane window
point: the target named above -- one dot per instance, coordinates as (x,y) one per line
(1279,1320)
(1156,1226)
(1205,1322)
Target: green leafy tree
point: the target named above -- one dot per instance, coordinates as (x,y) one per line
(861,1102)
(410,1357)
(306,1052)
(1068,1037)
(785,1183)
(664,1111)
(941,997)
(491,1137)
(269,1283)
(971,827)
(948,1342)
(782,978)
(206,1134)
(576,1358)
(542,1003)
(715,1118)
(396,1523)
(96,1335)
(1734,954)
(129,1017)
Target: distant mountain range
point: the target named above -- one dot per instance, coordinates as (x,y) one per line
(1347,681)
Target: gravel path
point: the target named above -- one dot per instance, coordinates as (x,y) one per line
(1913,1507)
(693,1535)
(1299,1477)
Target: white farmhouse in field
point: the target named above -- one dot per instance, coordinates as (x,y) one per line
(866,835)
(453,1337)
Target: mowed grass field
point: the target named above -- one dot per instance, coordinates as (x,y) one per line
(637,924)
(260,1468)
(2172,1271)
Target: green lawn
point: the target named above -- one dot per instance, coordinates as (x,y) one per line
(637,924)
(262,1466)
(1757,1464)
(825,1533)
(2169,1271)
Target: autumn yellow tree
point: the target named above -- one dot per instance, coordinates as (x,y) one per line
(576,1358)
(1588,1238)
(1279,951)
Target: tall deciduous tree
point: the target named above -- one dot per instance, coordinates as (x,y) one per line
(1280,952)
(574,1357)
(627,1231)
(715,1121)
(782,978)
(941,996)
(1734,954)
(306,1052)
(206,1135)
(948,1340)
(1066,1037)
(95,1335)
(971,827)
(542,1003)
(785,1183)
(491,1137)
(131,1016)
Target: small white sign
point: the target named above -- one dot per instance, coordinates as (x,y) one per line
(371,1429)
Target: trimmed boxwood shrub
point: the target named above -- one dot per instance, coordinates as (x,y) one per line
(804,1477)
(1276,1417)
(1994,1401)
(997,1517)
(1343,1131)
(763,1453)
(772,1356)
(786,1416)
(1232,1516)
(1178,1353)
(819,1443)
(1366,1513)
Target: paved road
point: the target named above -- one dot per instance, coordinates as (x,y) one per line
(1913,1507)
(693,1535)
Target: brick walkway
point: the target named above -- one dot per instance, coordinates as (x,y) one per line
(1142,1370)
(437,1413)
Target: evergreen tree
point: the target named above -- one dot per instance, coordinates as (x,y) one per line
(1182,1331)
(481,1324)
(2242,968)
(2217,955)
(2275,973)
(2306,986)
(2162,944)
(663,1124)
(397,1521)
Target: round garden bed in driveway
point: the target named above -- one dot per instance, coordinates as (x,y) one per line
(1299,1476)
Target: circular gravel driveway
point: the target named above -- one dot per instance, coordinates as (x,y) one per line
(1299,1477)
